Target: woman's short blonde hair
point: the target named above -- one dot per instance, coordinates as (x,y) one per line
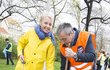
(46,14)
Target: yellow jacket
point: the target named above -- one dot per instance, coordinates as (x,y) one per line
(36,52)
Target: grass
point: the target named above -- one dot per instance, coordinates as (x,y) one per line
(3,65)
(57,65)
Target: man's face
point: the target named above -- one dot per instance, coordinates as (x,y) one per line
(46,24)
(7,42)
(65,38)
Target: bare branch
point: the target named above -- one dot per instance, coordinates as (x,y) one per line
(83,9)
(62,8)
(97,1)
(54,13)
(5,17)
(86,3)
(82,21)
(28,7)
(102,20)
(24,16)
(32,16)
(17,13)
(0,3)
(77,5)
(43,1)
(27,21)
(96,18)
(6,9)
(11,12)
(107,1)
(18,7)
(58,2)
(101,0)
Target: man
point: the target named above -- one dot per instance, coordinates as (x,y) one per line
(76,47)
(106,61)
(8,52)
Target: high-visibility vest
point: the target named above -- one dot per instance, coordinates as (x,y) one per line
(10,49)
(81,41)
(94,40)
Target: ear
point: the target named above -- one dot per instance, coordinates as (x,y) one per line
(40,23)
(71,35)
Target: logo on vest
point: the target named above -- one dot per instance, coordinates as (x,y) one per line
(80,49)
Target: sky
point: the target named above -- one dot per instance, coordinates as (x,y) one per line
(67,18)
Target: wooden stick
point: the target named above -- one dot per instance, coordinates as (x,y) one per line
(66,66)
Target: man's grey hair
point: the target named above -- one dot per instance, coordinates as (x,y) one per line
(64,27)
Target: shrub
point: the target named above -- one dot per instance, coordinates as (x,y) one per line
(57,51)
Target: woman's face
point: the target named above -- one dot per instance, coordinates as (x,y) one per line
(46,24)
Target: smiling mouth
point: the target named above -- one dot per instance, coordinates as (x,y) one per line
(47,29)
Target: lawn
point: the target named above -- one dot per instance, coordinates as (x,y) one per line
(3,65)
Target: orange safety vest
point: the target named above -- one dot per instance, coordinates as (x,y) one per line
(81,41)
(94,40)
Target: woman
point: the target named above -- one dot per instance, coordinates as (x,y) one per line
(38,44)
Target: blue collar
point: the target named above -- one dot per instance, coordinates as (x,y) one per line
(42,35)
(74,40)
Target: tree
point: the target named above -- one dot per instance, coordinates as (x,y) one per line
(21,7)
(56,9)
(89,17)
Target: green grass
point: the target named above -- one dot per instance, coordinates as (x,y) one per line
(3,65)
(57,65)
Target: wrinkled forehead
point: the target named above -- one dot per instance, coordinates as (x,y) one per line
(62,34)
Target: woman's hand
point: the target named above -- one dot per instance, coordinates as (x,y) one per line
(22,59)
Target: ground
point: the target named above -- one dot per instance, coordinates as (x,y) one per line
(3,65)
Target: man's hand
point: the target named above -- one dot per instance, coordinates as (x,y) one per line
(69,52)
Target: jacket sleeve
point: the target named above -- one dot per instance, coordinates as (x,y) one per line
(89,54)
(63,62)
(50,57)
(22,43)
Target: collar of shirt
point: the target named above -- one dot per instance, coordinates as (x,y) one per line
(76,33)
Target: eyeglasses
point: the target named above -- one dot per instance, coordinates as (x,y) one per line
(64,38)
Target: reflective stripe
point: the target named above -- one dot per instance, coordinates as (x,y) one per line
(82,65)
(88,68)
(72,68)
